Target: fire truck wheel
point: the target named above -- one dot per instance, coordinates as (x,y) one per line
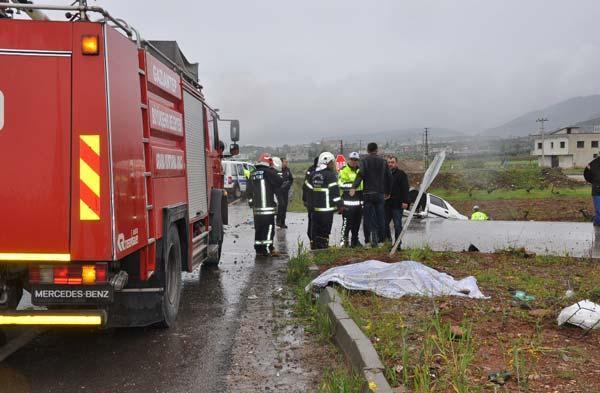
(171,279)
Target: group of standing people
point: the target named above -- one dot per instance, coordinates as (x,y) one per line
(368,190)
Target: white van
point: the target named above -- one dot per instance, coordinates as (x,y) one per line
(233,177)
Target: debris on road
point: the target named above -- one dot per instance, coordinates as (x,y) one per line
(584,314)
(252,297)
(499,378)
(394,280)
(472,248)
(521,296)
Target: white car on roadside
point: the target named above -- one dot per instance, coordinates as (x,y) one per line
(434,206)
(234,180)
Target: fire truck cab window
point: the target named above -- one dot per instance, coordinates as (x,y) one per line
(215,130)
(211,131)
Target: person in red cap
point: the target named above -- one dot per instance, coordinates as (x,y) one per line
(264,183)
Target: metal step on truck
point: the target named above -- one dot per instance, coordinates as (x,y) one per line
(110,179)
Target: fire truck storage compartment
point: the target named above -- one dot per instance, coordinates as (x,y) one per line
(126,133)
(35,150)
(196,156)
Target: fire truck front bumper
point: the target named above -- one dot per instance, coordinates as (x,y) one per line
(53,318)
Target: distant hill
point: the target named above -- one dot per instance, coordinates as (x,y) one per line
(569,112)
(591,124)
(403,134)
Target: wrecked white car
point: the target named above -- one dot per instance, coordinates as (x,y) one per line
(433,206)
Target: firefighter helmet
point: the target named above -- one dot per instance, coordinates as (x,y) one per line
(265,159)
(325,158)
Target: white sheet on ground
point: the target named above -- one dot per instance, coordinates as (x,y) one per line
(585,314)
(394,280)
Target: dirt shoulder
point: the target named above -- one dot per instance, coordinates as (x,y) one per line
(272,352)
(453,344)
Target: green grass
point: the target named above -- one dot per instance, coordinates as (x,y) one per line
(480,163)
(414,338)
(479,180)
(340,380)
(483,195)
(430,345)
(298,171)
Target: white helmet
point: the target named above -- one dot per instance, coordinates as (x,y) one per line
(325,158)
(277,164)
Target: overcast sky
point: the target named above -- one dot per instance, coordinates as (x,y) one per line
(295,71)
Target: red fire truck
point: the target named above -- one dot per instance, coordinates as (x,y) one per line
(110,171)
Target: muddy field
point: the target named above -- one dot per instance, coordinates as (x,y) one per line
(558,209)
(453,344)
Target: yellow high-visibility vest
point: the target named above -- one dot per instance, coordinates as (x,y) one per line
(479,216)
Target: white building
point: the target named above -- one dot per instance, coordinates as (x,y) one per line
(568,147)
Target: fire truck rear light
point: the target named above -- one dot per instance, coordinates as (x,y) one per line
(61,275)
(89,45)
(88,274)
(101,273)
(34,274)
(46,274)
(74,277)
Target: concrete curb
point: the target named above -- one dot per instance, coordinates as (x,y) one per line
(355,345)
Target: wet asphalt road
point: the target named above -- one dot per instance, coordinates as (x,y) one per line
(194,356)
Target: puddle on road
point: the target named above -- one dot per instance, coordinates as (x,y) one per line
(544,238)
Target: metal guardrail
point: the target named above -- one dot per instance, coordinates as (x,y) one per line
(78,8)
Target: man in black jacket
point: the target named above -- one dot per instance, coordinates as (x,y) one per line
(306,195)
(592,175)
(283,193)
(324,199)
(264,183)
(376,177)
(398,200)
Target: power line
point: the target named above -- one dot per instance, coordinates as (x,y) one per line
(426,147)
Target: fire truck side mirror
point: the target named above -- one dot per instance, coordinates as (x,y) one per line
(235,130)
(234,149)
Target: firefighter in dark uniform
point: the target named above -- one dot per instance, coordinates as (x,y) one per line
(264,183)
(306,196)
(324,200)
(352,208)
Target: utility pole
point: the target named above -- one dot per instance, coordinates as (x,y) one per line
(426,147)
(542,120)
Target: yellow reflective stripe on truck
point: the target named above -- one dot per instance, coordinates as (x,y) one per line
(89,177)
(33,257)
(25,319)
